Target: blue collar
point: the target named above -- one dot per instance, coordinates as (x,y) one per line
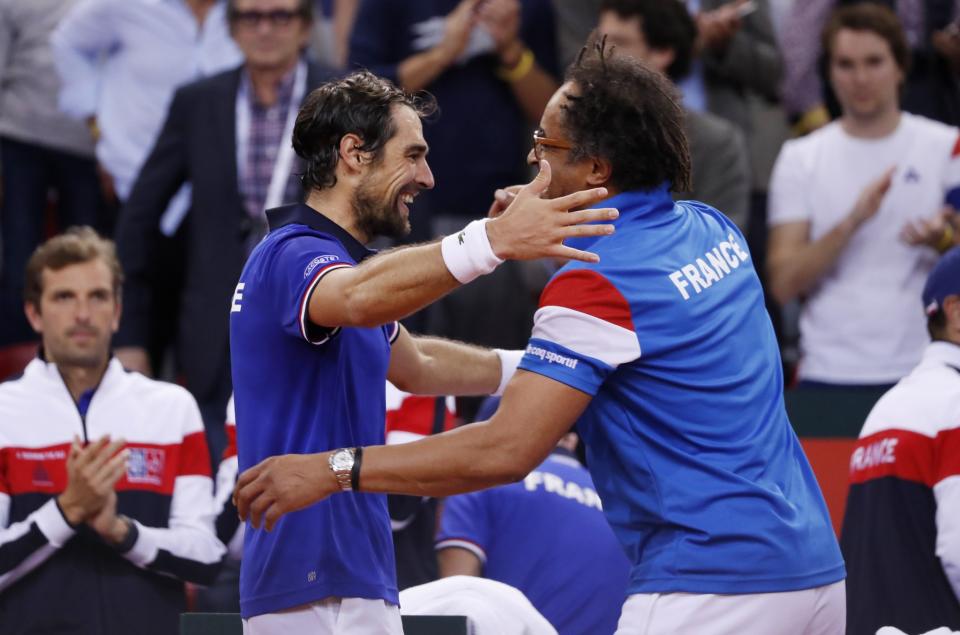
(647,205)
(303,214)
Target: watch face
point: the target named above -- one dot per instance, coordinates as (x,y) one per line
(342,460)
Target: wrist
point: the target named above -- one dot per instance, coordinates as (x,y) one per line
(509,360)
(510,53)
(472,252)
(118,532)
(519,70)
(946,238)
(73,513)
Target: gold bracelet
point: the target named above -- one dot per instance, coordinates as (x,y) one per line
(520,70)
(946,240)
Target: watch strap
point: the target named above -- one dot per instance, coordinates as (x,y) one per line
(355,472)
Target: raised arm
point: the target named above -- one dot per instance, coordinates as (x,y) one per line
(535,413)
(398,283)
(795,264)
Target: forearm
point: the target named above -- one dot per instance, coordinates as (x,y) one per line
(794,272)
(451,368)
(469,458)
(29,543)
(418,71)
(531,85)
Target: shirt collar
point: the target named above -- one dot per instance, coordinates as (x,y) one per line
(303,214)
(284,87)
(634,205)
(943,353)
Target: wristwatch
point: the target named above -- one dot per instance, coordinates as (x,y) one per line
(345,465)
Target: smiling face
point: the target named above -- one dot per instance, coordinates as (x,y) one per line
(77,314)
(393,179)
(864,74)
(568,176)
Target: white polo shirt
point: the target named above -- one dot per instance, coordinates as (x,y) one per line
(863,323)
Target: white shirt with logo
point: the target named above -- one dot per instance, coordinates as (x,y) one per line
(864,323)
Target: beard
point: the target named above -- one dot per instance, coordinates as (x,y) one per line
(63,353)
(375,216)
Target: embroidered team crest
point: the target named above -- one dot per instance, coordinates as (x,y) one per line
(145,465)
(316,262)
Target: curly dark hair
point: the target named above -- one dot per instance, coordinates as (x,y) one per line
(629,115)
(666,24)
(360,103)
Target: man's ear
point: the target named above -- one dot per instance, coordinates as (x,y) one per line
(117,313)
(352,156)
(951,307)
(600,172)
(33,316)
(661,59)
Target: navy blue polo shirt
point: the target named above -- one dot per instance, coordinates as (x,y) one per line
(302,389)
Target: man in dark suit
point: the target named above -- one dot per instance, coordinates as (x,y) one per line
(229,137)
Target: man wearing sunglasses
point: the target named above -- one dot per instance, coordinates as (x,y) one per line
(663,355)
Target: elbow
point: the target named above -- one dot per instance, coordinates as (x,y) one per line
(409,382)
(509,464)
(503,472)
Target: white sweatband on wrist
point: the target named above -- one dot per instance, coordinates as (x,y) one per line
(509,360)
(468,254)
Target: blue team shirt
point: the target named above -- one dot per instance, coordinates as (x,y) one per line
(303,389)
(546,536)
(702,477)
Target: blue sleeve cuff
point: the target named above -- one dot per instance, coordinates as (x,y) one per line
(559,363)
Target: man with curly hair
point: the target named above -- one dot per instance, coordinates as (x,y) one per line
(663,355)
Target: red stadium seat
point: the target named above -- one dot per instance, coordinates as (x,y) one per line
(14,358)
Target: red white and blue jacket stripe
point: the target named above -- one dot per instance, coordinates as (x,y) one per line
(901,529)
(56,576)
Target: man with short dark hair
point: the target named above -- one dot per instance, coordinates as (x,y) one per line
(664,356)
(862,200)
(901,529)
(106,503)
(314,336)
(662,35)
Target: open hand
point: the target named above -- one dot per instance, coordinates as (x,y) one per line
(533,227)
(92,472)
(282,484)
(457,28)
(928,231)
(501,19)
(871,197)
